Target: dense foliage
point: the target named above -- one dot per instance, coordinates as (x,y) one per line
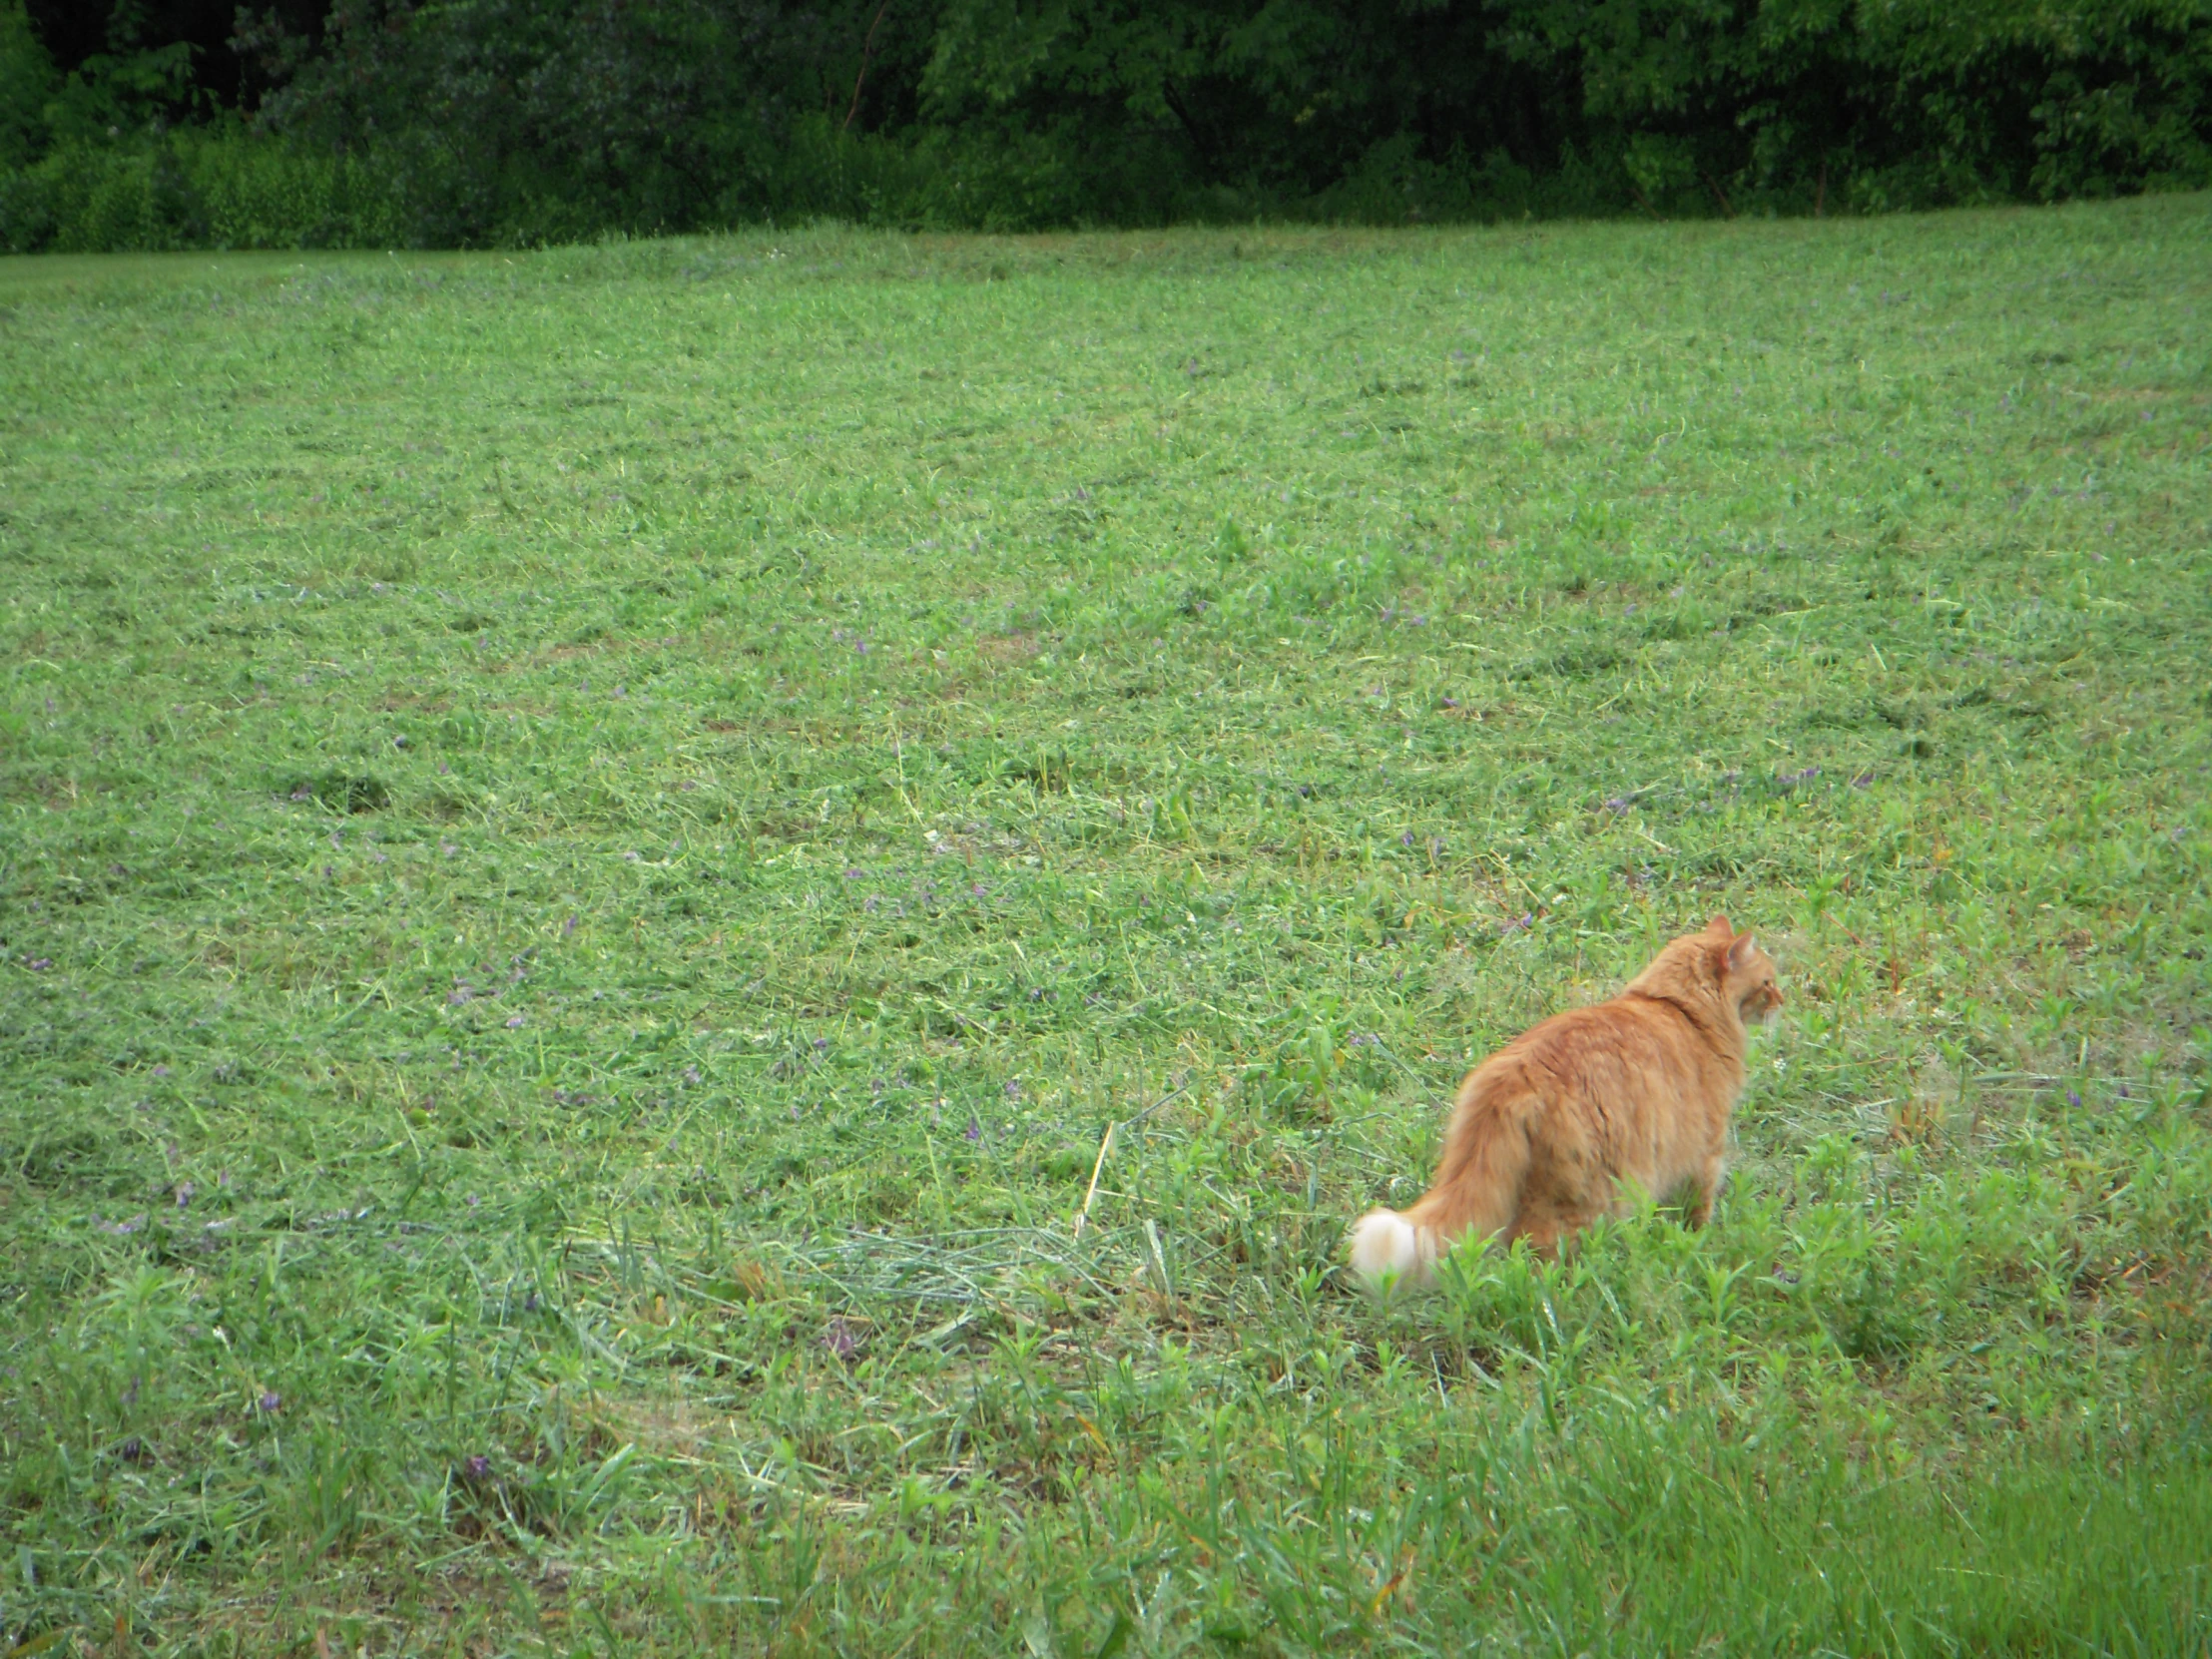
(518,121)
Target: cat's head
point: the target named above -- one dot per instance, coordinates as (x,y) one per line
(1716,966)
(1744,972)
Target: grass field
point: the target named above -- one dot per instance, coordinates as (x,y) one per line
(593,842)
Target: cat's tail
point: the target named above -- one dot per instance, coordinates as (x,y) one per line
(1478,1190)
(1388,1249)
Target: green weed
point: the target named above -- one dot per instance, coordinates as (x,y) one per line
(593,843)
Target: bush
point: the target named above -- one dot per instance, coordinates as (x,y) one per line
(198,187)
(260,192)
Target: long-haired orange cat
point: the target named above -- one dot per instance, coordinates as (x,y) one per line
(1560,1125)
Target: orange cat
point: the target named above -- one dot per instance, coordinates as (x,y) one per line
(1564,1122)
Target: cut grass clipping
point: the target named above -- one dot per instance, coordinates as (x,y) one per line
(594,843)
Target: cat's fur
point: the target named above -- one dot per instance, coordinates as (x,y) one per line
(1572,1118)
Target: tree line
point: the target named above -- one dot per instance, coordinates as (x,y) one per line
(470,123)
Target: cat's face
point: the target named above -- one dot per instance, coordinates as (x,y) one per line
(1751,981)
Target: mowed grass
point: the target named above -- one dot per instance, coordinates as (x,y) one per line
(595,839)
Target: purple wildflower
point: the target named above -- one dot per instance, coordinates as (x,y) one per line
(837,1337)
(821,1045)
(974,1130)
(1861,780)
(568,927)
(478,1467)
(515,1024)
(39,964)
(2072,1098)
(269,1402)
(185,1190)
(1013,1088)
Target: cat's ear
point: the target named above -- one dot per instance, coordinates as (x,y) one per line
(1719,924)
(1739,953)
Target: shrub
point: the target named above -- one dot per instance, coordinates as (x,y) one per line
(218,186)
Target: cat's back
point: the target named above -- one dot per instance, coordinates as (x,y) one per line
(1613,1041)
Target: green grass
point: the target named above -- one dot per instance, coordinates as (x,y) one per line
(593,840)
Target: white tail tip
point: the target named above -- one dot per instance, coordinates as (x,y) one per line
(1386,1250)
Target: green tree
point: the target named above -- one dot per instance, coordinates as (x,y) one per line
(27,82)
